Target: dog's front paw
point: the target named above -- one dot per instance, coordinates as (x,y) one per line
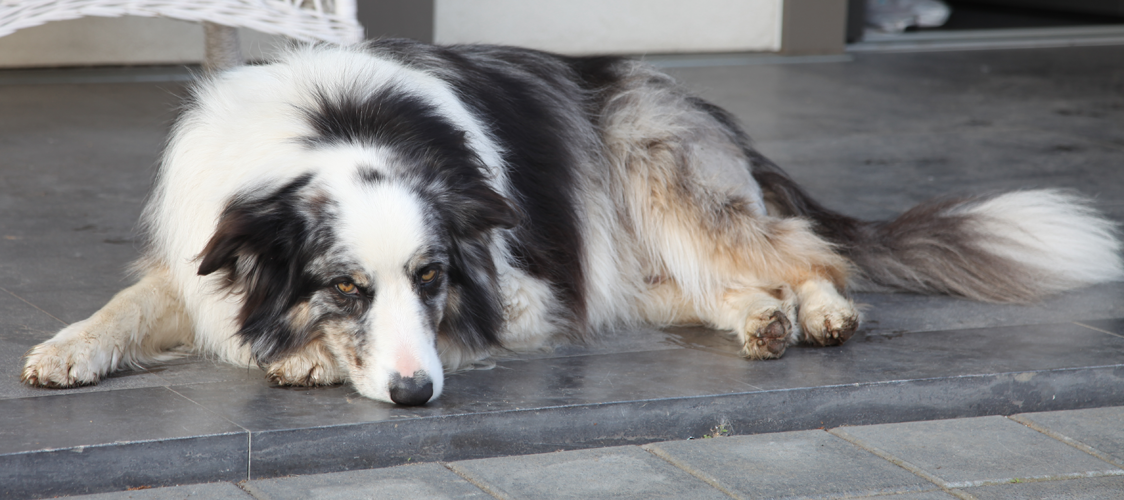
(62,364)
(311,366)
(767,335)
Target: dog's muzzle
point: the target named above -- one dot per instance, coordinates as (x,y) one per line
(411,391)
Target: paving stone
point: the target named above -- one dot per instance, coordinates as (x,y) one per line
(206,491)
(976,451)
(618,472)
(1095,488)
(408,481)
(789,465)
(921,495)
(1101,429)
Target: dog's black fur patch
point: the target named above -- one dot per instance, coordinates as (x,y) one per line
(263,246)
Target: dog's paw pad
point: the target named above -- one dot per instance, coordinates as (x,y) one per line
(770,338)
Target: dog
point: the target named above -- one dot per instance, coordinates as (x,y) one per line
(382,214)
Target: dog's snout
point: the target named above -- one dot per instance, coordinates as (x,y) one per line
(411,391)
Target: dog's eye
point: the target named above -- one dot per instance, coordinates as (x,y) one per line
(428,276)
(347,288)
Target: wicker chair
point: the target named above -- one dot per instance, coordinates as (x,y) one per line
(309,20)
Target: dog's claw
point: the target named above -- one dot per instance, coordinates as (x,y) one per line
(838,335)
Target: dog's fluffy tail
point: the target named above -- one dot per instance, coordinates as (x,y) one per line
(1012,247)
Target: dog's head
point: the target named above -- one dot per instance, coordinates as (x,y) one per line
(382,255)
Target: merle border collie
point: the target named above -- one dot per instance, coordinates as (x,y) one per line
(382,214)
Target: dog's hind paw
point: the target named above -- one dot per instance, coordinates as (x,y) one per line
(828,320)
(767,335)
(61,365)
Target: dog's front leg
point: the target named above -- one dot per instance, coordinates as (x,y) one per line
(135,326)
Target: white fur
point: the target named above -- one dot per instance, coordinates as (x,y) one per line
(1054,233)
(382,225)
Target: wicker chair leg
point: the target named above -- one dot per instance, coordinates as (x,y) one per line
(224,51)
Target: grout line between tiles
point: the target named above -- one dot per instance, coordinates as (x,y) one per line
(1037,479)
(35,306)
(944,485)
(251,490)
(1065,439)
(479,483)
(249,433)
(660,453)
(1078,323)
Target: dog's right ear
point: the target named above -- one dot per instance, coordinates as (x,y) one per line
(252,227)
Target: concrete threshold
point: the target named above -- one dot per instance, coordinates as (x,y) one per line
(676,385)
(1015,38)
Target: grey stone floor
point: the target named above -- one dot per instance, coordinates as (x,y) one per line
(869,136)
(1064,454)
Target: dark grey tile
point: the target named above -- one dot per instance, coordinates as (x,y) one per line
(408,481)
(626,376)
(194,369)
(888,93)
(112,440)
(620,472)
(882,178)
(92,419)
(1096,488)
(979,451)
(512,384)
(894,356)
(1101,429)
(803,464)
(1111,326)
(257,405)
(205,491)
(71,305)
(887,313)
(23,323)
(874,357)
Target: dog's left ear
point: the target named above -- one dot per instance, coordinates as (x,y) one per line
(261,246)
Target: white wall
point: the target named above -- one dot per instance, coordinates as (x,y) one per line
(567,26)
(613,26)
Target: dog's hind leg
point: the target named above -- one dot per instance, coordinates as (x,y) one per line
(771,280)
(826,316)
(760,316)
(701,221)
(136,326)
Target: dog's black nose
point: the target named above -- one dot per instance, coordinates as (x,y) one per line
(411,391)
